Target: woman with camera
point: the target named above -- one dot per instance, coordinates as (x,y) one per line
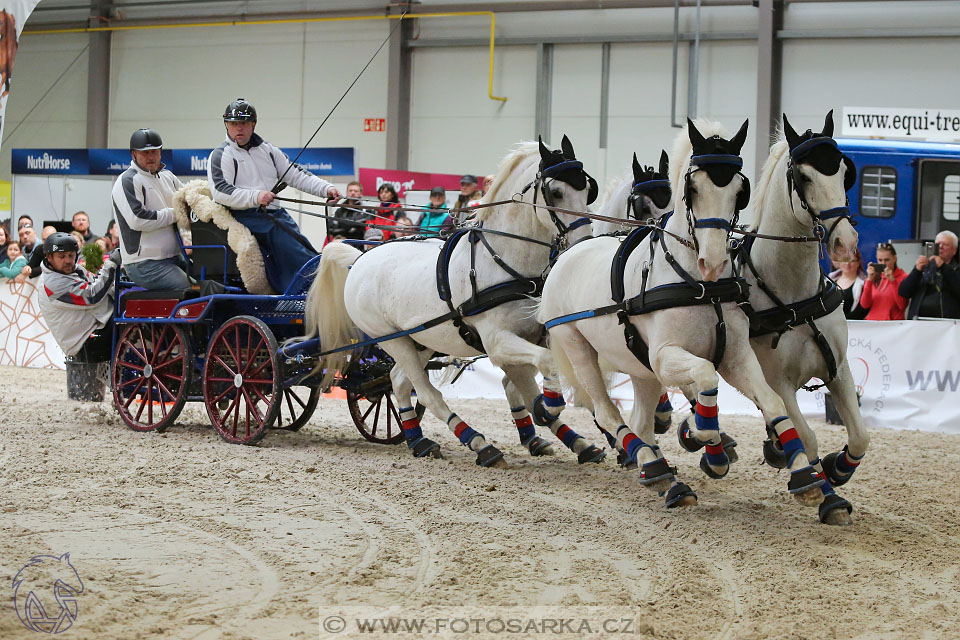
(880,291)
(933,285)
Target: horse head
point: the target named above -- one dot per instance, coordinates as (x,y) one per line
(714,192)
(650,196)
(818,178)
(564,184)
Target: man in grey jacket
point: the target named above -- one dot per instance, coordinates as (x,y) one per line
(143,204)
(242,172)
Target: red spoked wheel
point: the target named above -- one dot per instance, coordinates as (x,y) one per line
(296,407)
(241,380)
(375,412)
(151,374)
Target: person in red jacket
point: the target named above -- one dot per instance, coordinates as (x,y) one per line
(880,291)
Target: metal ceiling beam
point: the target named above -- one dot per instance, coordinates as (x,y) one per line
(98,76)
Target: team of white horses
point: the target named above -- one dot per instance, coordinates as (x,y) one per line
(674,290)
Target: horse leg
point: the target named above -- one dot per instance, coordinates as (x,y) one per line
(521,417)
(405,354)
(663,416)
(839,467)
(524,379)
(745,375)
(410,421)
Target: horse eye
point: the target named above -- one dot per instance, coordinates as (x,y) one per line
(557,194)
(805,178)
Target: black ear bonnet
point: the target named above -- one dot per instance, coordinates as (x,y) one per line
(822,153)
(721,162)
(562,165)
(653,184)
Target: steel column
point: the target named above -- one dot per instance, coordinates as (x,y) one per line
(400,77)
(769,71)
(544,90)
(98,75)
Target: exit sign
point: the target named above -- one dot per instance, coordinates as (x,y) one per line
(378,125)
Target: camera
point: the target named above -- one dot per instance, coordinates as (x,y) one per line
(877,266)
(930,249)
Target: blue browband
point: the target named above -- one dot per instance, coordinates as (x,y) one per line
(576,224)
(651,184)
(717,158)
(712,223)
(804,147)
(563,166)
(836,212)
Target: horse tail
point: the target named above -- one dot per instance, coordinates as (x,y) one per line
(326,314)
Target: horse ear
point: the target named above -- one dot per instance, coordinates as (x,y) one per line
(737,141)
(637,169)
(792,138)
(696,139)
(828,125)
(664,163)
(567,147)
(545,154)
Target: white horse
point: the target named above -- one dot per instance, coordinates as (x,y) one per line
(487,274)
(666,313)
(802,188)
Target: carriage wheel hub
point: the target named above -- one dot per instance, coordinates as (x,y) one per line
(238,381)
(148,371)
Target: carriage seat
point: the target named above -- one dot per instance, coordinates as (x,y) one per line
(209,263)
(144,303)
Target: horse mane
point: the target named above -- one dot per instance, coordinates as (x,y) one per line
(777,152)
(522,152)
(682,148)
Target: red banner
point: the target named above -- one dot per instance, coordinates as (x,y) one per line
(404,181)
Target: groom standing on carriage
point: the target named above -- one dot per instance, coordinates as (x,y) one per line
(242,173)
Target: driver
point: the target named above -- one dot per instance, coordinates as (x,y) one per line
(241,173)
(77,306)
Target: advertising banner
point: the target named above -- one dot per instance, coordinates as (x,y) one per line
(322,161)
(940,125)
(404,181)
(13,15)
(50,161)
(25,340)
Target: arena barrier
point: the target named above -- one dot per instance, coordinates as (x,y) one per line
(907,372)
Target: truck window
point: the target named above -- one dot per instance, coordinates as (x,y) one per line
(951,198)
(878,192)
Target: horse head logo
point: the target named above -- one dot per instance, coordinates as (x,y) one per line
(45,593)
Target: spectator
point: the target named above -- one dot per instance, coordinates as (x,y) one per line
(28,238)
(933,285)
(22,220)
(81,224)
(78,308)
(45,233)
(850,277)
(14,262)
(469,197)
(106,245)
(436,219)
(387,215)
(113,232)
(79,236)
(487,183)
(32,269)
(348,223)
(4,239)
(880,289)
(143,200)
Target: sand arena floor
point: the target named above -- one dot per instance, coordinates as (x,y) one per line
(184,536)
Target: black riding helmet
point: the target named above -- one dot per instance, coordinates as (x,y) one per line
(145,139)
(57,242)
(240,111)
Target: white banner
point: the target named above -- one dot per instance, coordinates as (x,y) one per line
(25,340)
(13,15)
(907,372)
(941,125)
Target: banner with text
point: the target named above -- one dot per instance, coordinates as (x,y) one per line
(404,181)
(940,125)
(13,15)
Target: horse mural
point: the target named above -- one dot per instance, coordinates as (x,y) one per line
(43,576)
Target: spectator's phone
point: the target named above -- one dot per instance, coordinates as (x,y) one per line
(877,266)
(930,249)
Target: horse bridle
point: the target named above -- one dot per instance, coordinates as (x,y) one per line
(540,185)
(794,185)
(699,163)
(638,191)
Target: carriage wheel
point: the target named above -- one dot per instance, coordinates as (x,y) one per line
(241,380)
(151,374)
(296,407)
(376,416)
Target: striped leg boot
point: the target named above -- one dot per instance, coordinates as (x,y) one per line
(804,479)
(655,472)
(839,467)
(419,445)
(706,433)
(585,451)
(487,454)
(663,416)
(548,405)
(528,433)
(834,510)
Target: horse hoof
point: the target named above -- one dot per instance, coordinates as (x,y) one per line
(538,446)
(657,474)
(661,425)
(659,486)
(729,447)
(810,498)
(680,495)
(425,447)
(541,417)
(836,511)
(710,471)
(829,463)
(591,454)
(686,439)
(773,455)
(490,456)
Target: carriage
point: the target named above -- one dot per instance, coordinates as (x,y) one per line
(225,350)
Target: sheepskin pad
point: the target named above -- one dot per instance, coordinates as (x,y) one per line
(195,196)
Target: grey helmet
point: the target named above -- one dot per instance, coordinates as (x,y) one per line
(145,139)
(240,111)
